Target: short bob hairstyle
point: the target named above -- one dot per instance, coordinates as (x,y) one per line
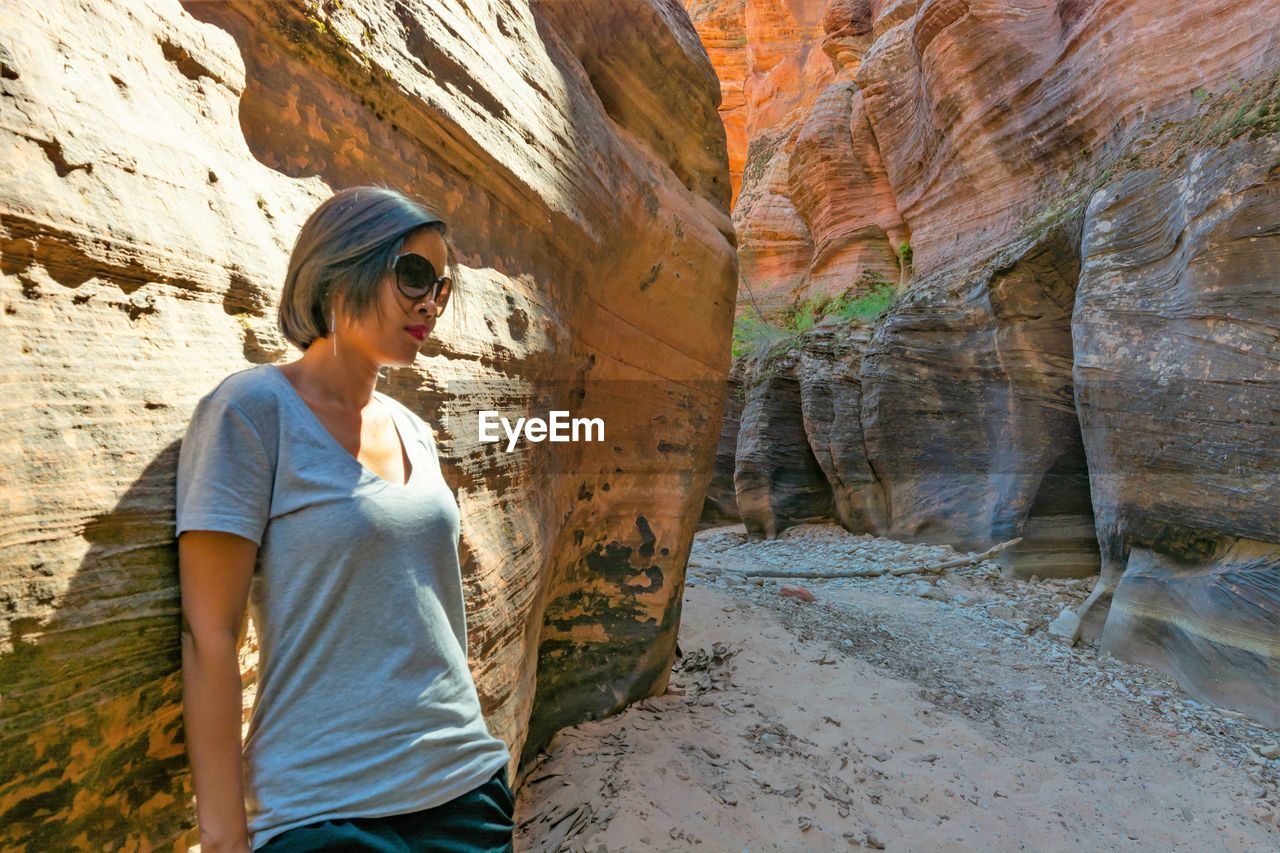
(344,248)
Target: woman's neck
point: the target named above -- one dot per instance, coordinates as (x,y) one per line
(343,381)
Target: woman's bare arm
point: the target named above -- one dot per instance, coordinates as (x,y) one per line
(215,570)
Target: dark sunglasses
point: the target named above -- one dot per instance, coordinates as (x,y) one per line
(416,277)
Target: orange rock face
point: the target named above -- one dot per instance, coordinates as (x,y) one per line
(160,162)
(814,211)
(1077,197)
(722,27)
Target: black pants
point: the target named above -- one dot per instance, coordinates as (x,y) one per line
(480,821)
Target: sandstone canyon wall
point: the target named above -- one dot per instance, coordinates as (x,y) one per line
(1078,199)
(160,159)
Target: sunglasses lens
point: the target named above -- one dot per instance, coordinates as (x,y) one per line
(415,275)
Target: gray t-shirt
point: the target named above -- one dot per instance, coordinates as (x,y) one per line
(365,705)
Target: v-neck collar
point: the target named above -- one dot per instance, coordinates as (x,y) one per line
(401,432)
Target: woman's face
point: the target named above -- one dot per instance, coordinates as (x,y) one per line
(387,338)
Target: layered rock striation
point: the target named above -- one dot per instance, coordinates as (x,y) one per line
(1077,199)
(161,160)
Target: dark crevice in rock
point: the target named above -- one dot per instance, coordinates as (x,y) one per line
(187,65)
(778,481)
(52,149)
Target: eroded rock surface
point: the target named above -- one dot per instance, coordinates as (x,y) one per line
(968,398)
(831,404)
(777,478)
(1178,365)
(721,503)
(161,158)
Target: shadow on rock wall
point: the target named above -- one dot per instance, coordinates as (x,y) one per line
(93,751)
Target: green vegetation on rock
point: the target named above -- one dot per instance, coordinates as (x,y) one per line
(904,255)
(757,335)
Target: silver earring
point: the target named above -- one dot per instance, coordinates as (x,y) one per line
(333,326)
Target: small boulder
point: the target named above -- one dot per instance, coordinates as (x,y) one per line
(1066,628)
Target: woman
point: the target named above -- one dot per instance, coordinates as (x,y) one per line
(319,501)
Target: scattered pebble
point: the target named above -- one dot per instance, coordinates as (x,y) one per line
(795,591)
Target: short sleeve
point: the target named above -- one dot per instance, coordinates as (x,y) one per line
(224,473)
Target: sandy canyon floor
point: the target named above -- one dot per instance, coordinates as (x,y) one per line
(928,713)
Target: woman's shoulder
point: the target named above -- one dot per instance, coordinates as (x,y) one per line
(252,391)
